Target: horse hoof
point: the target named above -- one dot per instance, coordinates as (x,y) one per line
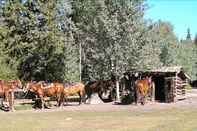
(13,110)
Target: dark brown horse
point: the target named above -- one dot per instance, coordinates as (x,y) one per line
(75,88)
(102,87)
(46,90)
(143,89)
(7,91)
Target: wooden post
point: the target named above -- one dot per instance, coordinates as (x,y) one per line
(153,92)
(12,95)
(174,87)
(117,91)
(80,61)
(114,69)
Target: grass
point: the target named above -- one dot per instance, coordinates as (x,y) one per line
(173,119)
(23,106)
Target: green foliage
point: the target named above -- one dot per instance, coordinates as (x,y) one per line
(165,40)
(188,37)
(6,72)
(40,40)
(186,56)
(112,33)
(35,38)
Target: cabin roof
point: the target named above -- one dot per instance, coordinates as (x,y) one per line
(172,69)
(165,70)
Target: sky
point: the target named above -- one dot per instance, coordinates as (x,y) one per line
(182,14)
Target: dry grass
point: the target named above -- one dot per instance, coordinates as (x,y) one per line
(172,119)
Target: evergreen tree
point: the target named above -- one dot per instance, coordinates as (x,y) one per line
(35,40)
(188,37)
(186,55)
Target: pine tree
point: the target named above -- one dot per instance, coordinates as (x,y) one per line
(36,39)
(188,37)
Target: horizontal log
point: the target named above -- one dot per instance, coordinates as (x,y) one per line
(180,83)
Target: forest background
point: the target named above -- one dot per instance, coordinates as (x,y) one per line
(69,40)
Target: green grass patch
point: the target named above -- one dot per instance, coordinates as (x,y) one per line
(23,106)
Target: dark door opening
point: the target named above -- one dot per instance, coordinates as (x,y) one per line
(159,88)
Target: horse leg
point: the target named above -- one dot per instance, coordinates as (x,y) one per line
(83,96)
(137,95)
(89,95)
(79,98)
(88,98)
(11,101)
(66,100)
(61,100)
(6,98)
(43,102)
(1,99)
(143,100)
(58,100)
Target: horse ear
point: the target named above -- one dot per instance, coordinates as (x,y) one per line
(150,79)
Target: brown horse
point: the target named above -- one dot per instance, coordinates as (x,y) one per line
(7,91)
(75,88)
(143,88)
(46,90)
(101,87)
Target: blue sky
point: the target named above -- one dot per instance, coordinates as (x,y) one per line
(182,14)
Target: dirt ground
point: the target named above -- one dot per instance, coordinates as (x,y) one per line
(178,116)
(189,102)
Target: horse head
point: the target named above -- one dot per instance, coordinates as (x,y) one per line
(149,79)
(31,86)
(106,87)
(18,84)
(26,88)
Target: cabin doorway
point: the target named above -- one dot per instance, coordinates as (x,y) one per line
(159,88)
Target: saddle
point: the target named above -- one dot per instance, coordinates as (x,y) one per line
(47,85)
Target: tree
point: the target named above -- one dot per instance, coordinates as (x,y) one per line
(186,55)
(195,40)
(35,38)
(188,37)
(166,40)
(112,33)
(6,71)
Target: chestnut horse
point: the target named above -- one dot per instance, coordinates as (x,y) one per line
(101,87)
(7,91)
(75,88)
(46,90)
(143,88)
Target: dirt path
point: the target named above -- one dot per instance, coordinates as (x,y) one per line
(189,102)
